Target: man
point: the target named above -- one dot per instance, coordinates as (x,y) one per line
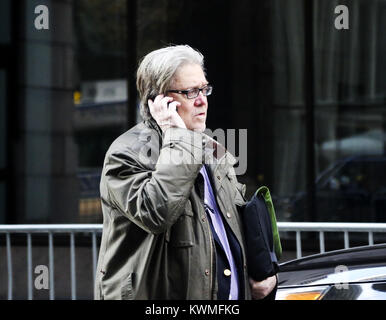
(170,198)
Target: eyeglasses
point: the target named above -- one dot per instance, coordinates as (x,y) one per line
(193,93)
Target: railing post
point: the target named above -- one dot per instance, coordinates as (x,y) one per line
(29,266)
(73,275)
(51,264)
(298,245)
(9,266)
(321,241)
(346,240)
(94,255)
(371,238)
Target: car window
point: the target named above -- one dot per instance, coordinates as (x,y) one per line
(361,176)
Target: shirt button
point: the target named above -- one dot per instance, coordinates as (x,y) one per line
(203,218)
(227,272)
(228,215)
(218,177)
(207,272)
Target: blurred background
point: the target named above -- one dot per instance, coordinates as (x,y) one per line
(312,97)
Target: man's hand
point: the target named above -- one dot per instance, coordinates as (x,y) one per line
(164,111)
(260,289)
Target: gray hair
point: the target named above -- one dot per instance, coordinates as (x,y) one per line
(157,69)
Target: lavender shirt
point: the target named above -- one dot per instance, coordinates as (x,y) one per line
(218,226)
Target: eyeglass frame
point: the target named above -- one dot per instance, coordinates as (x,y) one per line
(186,92)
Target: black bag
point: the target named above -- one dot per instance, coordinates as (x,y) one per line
(262,239)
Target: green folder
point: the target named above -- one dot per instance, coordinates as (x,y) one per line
(264,191)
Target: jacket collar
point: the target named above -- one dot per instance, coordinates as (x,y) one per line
(151,123)
(216,155)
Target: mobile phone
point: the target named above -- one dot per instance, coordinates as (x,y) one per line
(152,97)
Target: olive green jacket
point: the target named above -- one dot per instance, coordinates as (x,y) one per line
(156,241)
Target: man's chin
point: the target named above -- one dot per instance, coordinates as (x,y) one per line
(200,128)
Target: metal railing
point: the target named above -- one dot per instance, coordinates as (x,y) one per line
(94,229)
(50,229)
(322,227)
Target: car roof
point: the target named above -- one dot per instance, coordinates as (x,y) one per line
(352,256)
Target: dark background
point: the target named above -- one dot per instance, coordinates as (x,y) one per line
(310,96)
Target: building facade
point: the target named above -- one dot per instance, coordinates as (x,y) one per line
(304,78)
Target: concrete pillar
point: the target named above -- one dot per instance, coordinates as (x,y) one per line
(45,179)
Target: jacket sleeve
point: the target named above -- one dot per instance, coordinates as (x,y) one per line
(154,199)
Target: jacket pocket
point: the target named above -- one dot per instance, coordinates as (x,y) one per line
(127,291)
(181,233)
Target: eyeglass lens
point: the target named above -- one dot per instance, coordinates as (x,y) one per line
(206,91)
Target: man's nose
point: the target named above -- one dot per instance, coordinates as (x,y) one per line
(200,100)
